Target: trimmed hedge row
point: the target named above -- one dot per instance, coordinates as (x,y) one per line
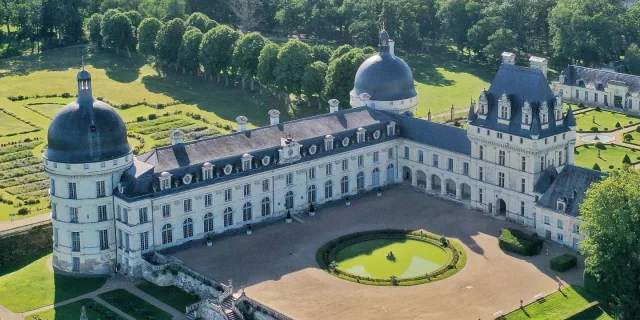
(564,262)
(516,241)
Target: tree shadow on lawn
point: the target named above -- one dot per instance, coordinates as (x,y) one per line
(119,68)
(424,67)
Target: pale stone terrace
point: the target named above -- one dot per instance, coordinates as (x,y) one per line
(277,264)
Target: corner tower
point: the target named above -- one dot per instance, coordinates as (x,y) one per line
(386,81)
(86,155)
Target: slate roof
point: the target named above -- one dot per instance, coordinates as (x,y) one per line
(598,78)
(434,134)
(572,183)
(520,84)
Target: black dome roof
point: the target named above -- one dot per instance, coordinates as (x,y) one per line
(384,76)
(86,130)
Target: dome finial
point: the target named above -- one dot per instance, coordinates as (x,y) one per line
(83,63)
(383,46)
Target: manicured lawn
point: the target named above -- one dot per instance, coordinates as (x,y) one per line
(558,305)
(170,295)
(133,305)
(587,156)
(36,286)
(604,120)
(635,135)
(95,311)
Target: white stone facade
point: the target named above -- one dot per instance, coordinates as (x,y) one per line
(559,228)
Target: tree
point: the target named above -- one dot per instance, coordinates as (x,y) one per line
(246,53)
(341,75)
(631,23)
(198,20)
(169,36)
(626,159)
(93,26)
(340,51)
(134,17)
(174,9)
(293,58)
(611,219)
(292,14)
(216,50)
(117,31)
(632,56)
(210,25)
(502,40)
(455,21)
(246,11)
(313,81)
(267,62)
(321,53)
(429,24)
(147,33)
(190,49)
(596,167)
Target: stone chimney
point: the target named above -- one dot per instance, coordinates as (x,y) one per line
(508,58)
(392,46)
(274,115)
(177,137)
(242,123)
(364,99)
(539,63)
(334,106)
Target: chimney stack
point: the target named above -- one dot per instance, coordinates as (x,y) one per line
(539,63)
(274,115)
(242,123)
(508,58)
(334,106)
(177,137)
(364,99)
(392,47)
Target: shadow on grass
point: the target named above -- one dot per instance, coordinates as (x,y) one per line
(424,66)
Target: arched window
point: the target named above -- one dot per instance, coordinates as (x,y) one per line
(375,177)
(167,234)
(266,206)
(328,190)
(247,211)
(390,174)
(288,200)
(187,228)
(208,222)
(344,185)
(228,217)
(360,182)
(311,196)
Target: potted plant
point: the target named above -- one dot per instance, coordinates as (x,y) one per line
(312,210)
(288,217)
(379,192)
(348,201)
(209,242)
(249,229)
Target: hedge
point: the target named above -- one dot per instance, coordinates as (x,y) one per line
(564,262)
(516,241)
(25,247)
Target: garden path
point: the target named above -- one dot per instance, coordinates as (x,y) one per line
(6,225)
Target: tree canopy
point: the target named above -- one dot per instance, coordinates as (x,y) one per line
(168,39)
(341,75)
(188,54)
(147,33)
(267,62)
(216,49)
(313,79)
(293,58)
(198,20)
(246,53)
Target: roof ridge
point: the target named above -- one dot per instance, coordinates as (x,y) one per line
(607,71)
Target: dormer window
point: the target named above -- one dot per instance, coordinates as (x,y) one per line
(328,142)
(360,136)
(483,104)
(246,162)
(165,181)
(391,129)
(526,115)
(561,205)
(207,171)
(557,110)
(504,105)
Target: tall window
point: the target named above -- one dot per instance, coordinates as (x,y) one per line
(345,164)
(75,241)
(465,168)
(228,217)
(481,152)
(329,169)
(76,264)
(541,163)
(167,234)
(166,210)
(435,160)
(247,212)
(311,194)
(289,179)
(127,245)
(187,205)
(523,167)
(501,157)
(522,208)
(144,241)
(420,156)
(54,210)
(480,174)
(166,183)
(360,182)
(187,228)
(376,156)
(501,179)
(246,164)
(227,195)
(104,239)
(247,189)
(73,215)
(125,215)
(312,173)
(480,195)
(208,222)
(391,174)
(406,152)
(560,158)
(73,194)
(288,200)
(102,213)
(560,224)
(52,187)
(55,237)
(208,200)
(375,177)
(344,185)
(266,206)
(360,161)
(143,215)
(328,189)
(504,114)
(265,185)
(523,185)
(450,165)
(390,153)
(100,189)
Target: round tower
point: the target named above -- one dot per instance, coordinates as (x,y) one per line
(87,153)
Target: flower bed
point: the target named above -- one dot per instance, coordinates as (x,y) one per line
(457,258)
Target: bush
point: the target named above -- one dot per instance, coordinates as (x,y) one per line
(638,129)
(66,95)
(457,124)
(23,211)
(598,109)
(581,105)
(626,159)
(596,167)
(594,129)
(153,116)
(600,145)
(628,137)
(618,125)
(564,262)
(516,241)
(141,119)
(611,167)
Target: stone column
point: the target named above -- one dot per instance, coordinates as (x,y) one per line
(428,181)
(459,190)
(414,178)
(443,186)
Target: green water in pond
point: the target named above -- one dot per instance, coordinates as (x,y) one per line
(412,258)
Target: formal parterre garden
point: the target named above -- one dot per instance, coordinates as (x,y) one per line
(392,257)
(93,309)
(603,120)
(133,305)
(608,157)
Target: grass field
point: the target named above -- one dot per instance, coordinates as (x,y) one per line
(95,311)
(133,305)
(558,305)
(587,156)
(36,286)
(604,120)
(170,295)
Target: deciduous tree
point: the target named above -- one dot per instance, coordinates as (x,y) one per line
(293,58)
(188,55)
(216,50)
(313,81)
(267,62)
(147,33)
(93,26)
(246,53)
(198,20)
(168,39)
(341,75)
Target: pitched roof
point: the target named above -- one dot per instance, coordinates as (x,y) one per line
(434,134)
(571,184)
(598,78)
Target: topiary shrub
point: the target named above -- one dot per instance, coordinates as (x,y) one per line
(598,109)
(638,129)
(628,137)
(581,105)
(457,124)
(596,167)
(618,125)
(626,159)
(152,116)
(594,129)
(611,167)
(516,241)
(600,145)
(564,262)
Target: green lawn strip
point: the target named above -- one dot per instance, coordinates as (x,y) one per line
(605,120)
(36,286)
(133,305)
(558,305)
(587,156)
(95,311)
(171,295)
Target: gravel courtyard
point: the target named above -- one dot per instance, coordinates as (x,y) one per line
(277,264)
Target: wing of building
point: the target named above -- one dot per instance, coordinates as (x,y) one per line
(110,208)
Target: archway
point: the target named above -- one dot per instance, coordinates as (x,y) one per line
(466,192)
(435,183)
(406,174)
(450,188)
(422,179)
(501,207)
